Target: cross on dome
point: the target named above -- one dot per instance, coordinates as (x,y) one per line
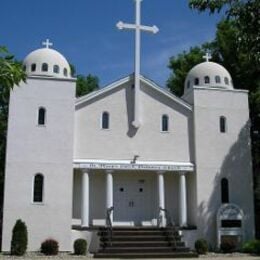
(138,28)
(47,43)
(207,57)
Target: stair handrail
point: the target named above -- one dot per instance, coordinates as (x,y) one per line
(169,224)
(109,223)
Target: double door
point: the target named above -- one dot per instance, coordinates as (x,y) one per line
(132,198)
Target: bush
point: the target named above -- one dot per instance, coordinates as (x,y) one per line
(19,238)
(80,247)
(201,246)
(228,246)
(252,247)
(50,247)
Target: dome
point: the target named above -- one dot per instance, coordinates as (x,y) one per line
(208,74)
(47,62)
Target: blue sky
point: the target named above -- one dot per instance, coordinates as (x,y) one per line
(84,32)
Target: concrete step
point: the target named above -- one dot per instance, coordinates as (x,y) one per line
(147,255)
(141,244)
(137,238)
(136,233)
(166,249)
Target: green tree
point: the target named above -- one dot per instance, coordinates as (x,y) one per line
(244,14)
(19,238)
(180,66)
(11,73)
(86,84)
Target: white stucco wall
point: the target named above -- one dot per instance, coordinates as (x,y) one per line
(122,141)
(222,155)
(35,149)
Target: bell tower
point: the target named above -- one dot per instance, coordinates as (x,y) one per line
(39,160)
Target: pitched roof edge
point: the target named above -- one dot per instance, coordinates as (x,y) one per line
(121,81)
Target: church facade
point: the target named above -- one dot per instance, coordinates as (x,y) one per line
(70,160)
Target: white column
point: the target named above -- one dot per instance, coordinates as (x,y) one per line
(85,200)
(182,200)
(109,191)
(161,197)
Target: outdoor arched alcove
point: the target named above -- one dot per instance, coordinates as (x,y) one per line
(230,226)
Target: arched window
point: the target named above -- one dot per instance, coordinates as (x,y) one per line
(224,191)
(38,185)
(196,81)
(24,68)
(188,84)
(206,80)
(56,69)
(105,120)
(44,67)
(165,123)
(226,81)
(218,79)
(222,124)
(41,116)
(33,67)
(65,72)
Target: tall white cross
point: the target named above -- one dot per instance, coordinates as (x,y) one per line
(207,57)
(138,29)
(47,43)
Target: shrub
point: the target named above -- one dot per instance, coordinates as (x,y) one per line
(80,247)
(19,238)
(252,247)
(201,246)
(50,247)
(228,246)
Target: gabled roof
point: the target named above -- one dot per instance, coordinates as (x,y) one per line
(118,83)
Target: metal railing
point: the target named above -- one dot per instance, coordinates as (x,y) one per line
(109,224)
(172,229)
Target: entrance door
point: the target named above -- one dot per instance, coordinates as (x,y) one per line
(132,198)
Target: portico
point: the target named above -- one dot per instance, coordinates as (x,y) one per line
(137,192)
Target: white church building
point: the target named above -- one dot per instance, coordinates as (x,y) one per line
(131,145)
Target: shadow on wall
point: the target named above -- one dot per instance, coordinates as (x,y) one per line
(130,103)
(237,169)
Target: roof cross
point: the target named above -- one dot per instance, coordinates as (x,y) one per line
(47,43)
(207,57)
(138,28)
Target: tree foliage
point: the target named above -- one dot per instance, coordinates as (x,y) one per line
(246,18)
(180,66)
(86,84)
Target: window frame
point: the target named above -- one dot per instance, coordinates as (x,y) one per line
(56,69)
(207,80)
(217,79)
(224,191)
(196,82)
(42,189)
(162,123)
(33,67)
(222,124)
(65,72)
(45,116)
(226,81)
(102,120)
(43,67)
